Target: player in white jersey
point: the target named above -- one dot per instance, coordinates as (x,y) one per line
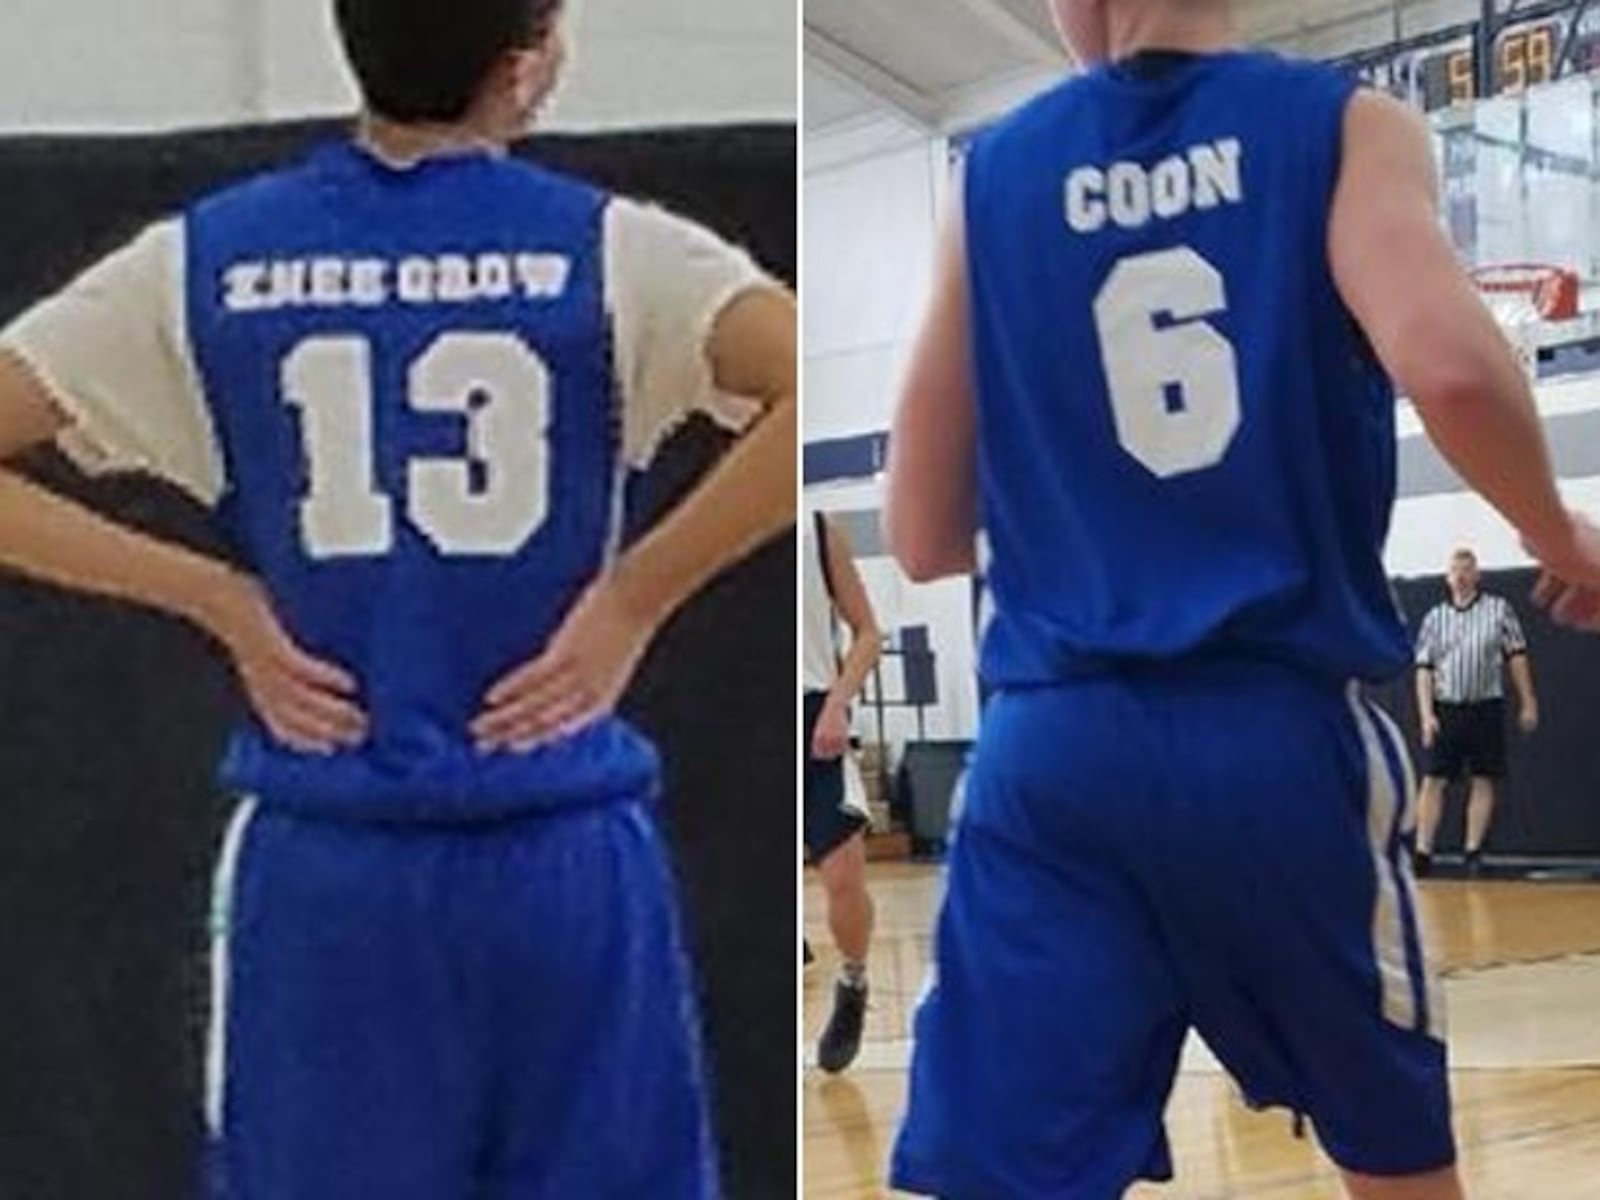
(835,823)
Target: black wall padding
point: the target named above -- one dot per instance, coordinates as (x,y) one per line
(67,200)
(111,719)
(1550,804)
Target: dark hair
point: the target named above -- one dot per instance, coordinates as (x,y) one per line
(421,61)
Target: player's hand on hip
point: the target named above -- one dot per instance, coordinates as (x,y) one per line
(308,704)
(577,680)
(1430,732)
(831,737)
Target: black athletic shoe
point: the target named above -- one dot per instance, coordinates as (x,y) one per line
(1474,861)
(841,1040)
(1421,864)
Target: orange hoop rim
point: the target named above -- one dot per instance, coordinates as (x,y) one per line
(1517,277)
(1543,283)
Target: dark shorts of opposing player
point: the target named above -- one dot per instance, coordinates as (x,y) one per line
(1218,849)
(830,822)
(1471,741)
(501,1011)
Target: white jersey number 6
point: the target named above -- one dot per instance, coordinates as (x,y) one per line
(1174,383)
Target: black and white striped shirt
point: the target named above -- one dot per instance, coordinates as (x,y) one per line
(1466,648)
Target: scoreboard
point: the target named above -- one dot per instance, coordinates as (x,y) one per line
(1523,57)
(1525,53)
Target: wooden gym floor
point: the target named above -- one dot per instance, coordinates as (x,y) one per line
(1522,978)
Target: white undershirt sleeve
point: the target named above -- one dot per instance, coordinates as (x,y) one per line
(112,349)
(667,281)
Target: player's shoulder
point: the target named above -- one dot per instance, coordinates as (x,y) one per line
(515,172)
(266,187)
(1252,70)
(342,164)
(1047,106)
(1270,66)
(1274,84)
(1375,118)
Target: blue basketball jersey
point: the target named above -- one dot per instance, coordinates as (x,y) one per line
(1186,447)
(411,382)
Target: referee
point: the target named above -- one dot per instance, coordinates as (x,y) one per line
(1463,645)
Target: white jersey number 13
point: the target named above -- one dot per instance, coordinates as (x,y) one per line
(495,381)
(1174,384)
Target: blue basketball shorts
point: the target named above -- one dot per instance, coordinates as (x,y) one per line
(1215,848)
(494,1012)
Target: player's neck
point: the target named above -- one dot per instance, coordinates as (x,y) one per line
(402,145)
(1198,28)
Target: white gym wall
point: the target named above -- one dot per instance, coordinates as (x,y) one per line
(108,65)
(869,236)
(872,192)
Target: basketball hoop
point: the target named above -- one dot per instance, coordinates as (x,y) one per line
(1519,293)
(1522,296)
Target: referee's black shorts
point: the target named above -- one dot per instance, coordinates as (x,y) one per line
(830,821)
(1471,741)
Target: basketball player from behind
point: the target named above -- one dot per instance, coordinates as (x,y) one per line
(835,824)
(410,375)
(1156,359)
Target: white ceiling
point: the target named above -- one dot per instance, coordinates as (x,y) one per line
(944,63)
(832,101)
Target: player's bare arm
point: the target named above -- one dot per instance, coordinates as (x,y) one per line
(743,503)
(1400,278)
(1568,604)
(832,735)
(305,702)
(931,509)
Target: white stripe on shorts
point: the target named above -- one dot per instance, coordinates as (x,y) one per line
(1388,928)
(223,882)
(1432,988)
